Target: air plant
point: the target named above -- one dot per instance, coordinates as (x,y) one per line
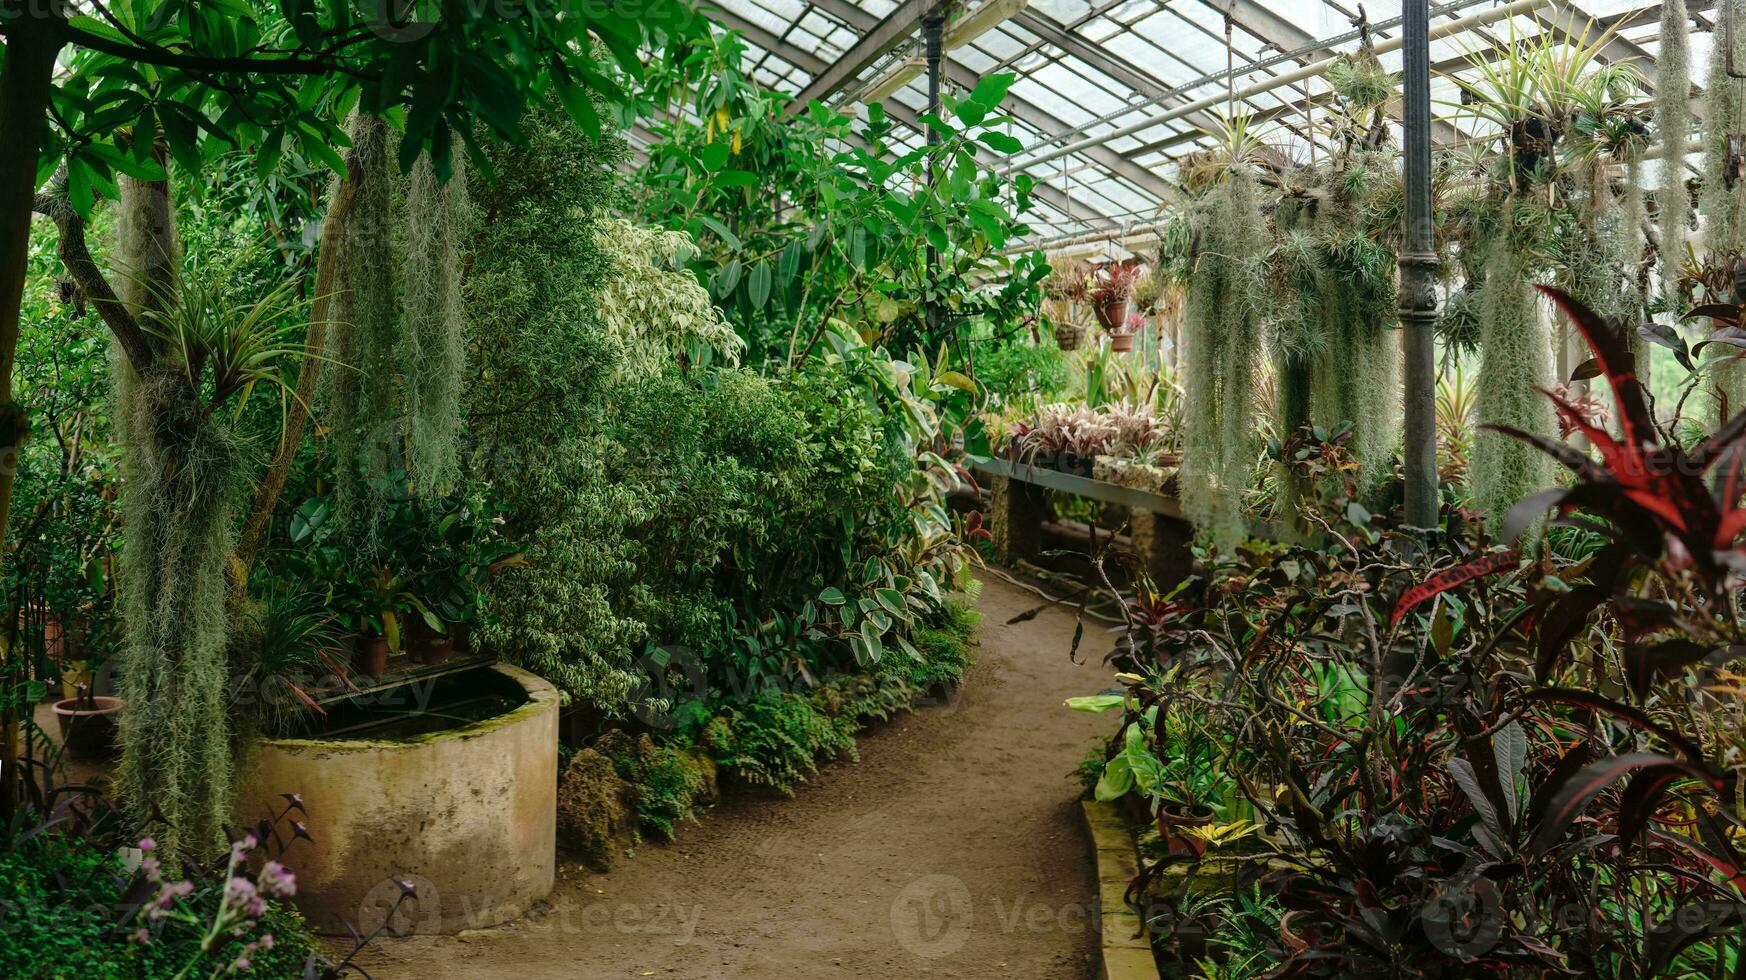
(224,349)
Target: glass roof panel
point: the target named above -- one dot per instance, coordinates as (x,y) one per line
(1090,69)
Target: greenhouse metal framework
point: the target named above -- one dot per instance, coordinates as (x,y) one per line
(1111,92)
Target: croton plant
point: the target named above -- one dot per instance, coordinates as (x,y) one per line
(1468,760)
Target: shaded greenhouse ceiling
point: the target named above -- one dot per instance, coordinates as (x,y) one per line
(1092,71)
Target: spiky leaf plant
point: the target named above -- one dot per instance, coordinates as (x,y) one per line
(435,328)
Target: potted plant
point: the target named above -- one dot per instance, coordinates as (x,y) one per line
(374,603)
(88,724)
(1123,340)
(1112,291)
(1067,288)
(460,546)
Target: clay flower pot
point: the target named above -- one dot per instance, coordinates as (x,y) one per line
(427,646)
(1174,816)
(1121,342)
(88,726)
(1112,312)
(370,655)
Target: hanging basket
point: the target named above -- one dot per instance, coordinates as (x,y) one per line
(1121,342)
(1068,335)
(1112,313)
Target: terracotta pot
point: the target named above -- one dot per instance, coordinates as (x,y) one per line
(370,655)
(1112,313)
(1173,817)
(426,645)
(1121,342)
(88,726)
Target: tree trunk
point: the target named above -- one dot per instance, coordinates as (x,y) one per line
(26,82)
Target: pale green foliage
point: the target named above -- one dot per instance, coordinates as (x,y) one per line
(435,331)
(1724,206)
(1673,122)
(1516,363)
(1222,340)
(364,415)
(183,476)
(544,362)
(651,303)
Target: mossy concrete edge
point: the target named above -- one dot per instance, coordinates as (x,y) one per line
(1124,951)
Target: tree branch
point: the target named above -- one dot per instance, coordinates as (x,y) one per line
(76,256)
(272,485)
(167,58)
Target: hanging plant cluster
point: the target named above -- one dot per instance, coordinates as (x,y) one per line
(395,406)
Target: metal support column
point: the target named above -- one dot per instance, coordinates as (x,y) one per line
(1418,269)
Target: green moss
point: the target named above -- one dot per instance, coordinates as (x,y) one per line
(669,783)
(595,807)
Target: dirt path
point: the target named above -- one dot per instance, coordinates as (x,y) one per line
(953,849)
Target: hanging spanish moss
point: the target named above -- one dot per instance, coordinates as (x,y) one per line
(1335,340)
(182,473)
(1723,197)
(366,419)
(1356,376)
(435,335)
(1222,341)
(1673,122)
(1515,364)
(1635,244)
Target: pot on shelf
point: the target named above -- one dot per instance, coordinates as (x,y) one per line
(370,654)
(428,646)
(88,726)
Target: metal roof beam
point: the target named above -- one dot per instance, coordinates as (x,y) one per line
(898,27)
(1117,164)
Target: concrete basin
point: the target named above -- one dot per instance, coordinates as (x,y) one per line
(453,788)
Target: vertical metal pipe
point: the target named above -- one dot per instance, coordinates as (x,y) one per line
(933,26)
(1418,269)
